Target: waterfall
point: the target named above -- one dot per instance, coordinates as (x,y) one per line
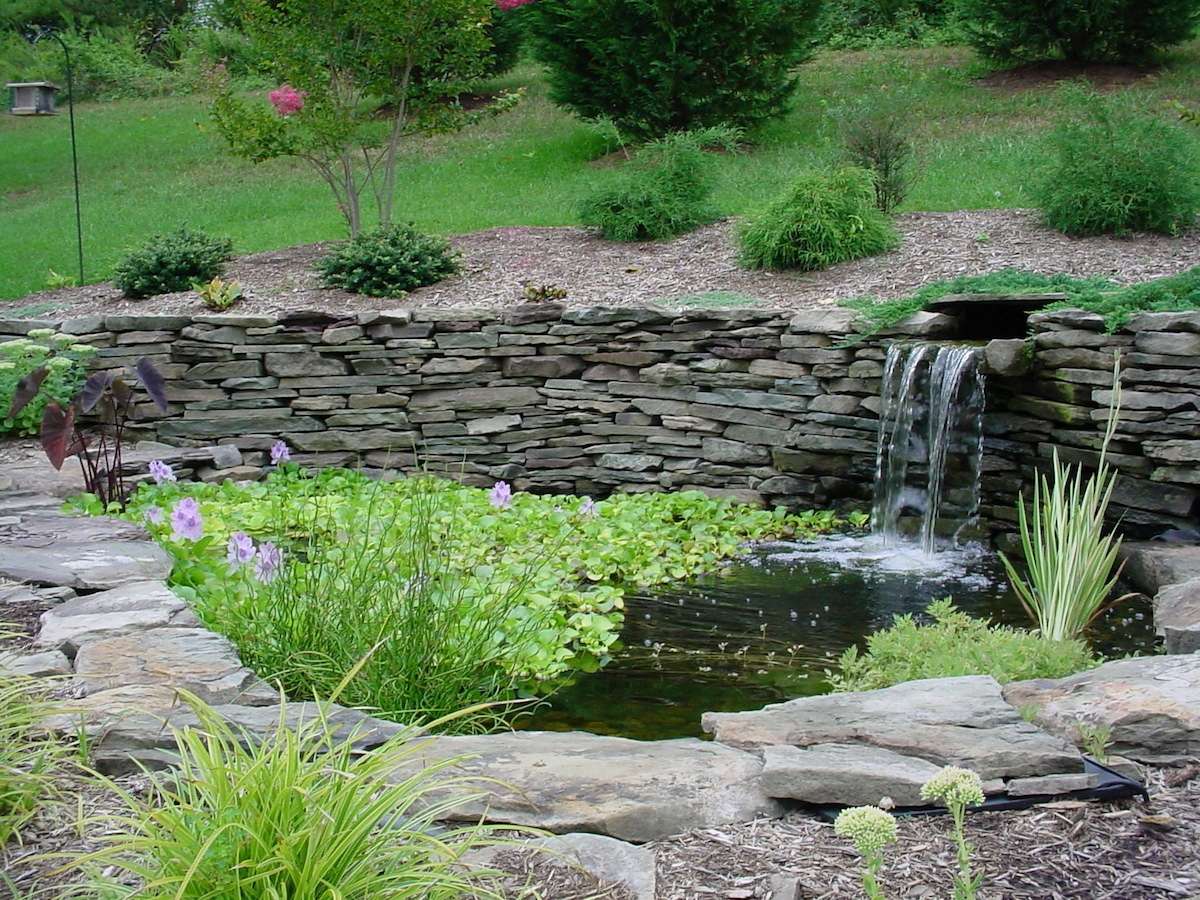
(931,404)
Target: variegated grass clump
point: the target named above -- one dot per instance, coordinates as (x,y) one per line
(958,789)
(870,829)
(29,760)
(1070,555)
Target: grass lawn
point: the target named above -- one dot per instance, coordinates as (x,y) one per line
(151,165)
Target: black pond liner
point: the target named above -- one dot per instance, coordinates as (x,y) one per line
(1112,786)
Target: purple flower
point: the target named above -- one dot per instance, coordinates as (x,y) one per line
(501,495)
(587,507)
(240,549)
(270,559)
(160,471)
(154,515)
(280,453)
(186,522)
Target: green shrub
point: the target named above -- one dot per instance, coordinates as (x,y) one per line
(300,814)
(656,68)
(1115,170)
(954,643)
(876,136)
(1077,30)
(507,31)
(172,262)
(388,262)
(65,362)
(868,24)
(823,219)
(664,192)
(1174,293)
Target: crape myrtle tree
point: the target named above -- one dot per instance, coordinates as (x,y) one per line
(654,67)
(1085,31)
(356,78)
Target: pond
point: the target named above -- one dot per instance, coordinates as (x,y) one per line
(767,627)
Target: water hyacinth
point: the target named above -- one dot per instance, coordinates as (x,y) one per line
(155,516)
(501,495)
(186,521)
(280,453)
(161,472)
(270,560)
(240,549)
(587,507)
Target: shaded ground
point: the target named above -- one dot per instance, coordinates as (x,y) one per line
(1048,73)
(499,262)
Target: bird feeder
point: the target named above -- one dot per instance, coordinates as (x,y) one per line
(32,98)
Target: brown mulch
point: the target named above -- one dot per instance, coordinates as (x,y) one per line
(20,616)
(500,261)
(1048,73)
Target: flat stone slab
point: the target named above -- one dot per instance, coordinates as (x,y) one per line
(1177,606)
(631,790)
(86,566)
(1152,565)
(95,617)
(194,659)
(47,664)
(44,528)
(1151,704)
(961,721)
(844,774)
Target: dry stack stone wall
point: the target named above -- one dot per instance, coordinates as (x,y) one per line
(758,405)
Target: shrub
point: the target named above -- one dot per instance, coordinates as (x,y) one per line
(507,31)
(823,219)
(388,262)
(301,813)
(1115,170)
(1174,293)
(172,262)
(663,193)
(954,643)
(65,363)
(656,68)
(1077,30)
(866,24)
(876,138)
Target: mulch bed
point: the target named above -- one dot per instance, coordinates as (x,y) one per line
(499,262)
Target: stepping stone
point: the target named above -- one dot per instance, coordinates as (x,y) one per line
(961,721)
(194,659)
(47,664)
(45,528)
(631,790)
(94,617)
(844,774)
(86,566)
(1151,704)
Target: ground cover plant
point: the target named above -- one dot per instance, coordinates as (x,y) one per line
(953,643)
(460,594)
(65,362)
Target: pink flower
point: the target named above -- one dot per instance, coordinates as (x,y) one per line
(506,5)
(160,471)
(280,453)
(501,495)
(186,522)
(240,549)
(270,560)
(287,100)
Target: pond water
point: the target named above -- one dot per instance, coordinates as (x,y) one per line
(767,627)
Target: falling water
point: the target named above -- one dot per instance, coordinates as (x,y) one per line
(932,402)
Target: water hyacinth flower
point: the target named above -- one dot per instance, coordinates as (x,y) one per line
(240,549)
(587,507)
(154,515)
(501,495)
(161,472)
(287,100)
(270,560)
(186,522)
(280,453)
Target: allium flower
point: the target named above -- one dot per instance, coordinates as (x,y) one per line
(954,787)
(501,495)
(270,560)
(869,827)
(186,522)
(587,507)
(240,549)
(287,100)
(280,453)
(154,515)
(160,471)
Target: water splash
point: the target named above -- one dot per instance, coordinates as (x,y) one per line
(932,404)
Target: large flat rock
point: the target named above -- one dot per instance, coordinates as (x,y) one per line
(1177,606)
(1151,705)
(844,774)
(45,528)
(193,659)
(94,566)
(631,790)
(1152,565)
(960,721)
(96,617)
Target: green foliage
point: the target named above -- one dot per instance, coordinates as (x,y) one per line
(29,761)
(300,814)
(1077,30)
(954,643)
(510,600)
(388,262)
(825,218)
(1114,169)
(1070,555)
(656,68)
(172,262)
(663,192)
(1174,293)
(1095,739)
(864,24)
(507,32)
(66,365)
(218,294)
(876,133)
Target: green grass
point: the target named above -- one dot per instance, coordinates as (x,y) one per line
(151,165)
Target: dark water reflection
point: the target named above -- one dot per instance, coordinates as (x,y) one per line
(768,627)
